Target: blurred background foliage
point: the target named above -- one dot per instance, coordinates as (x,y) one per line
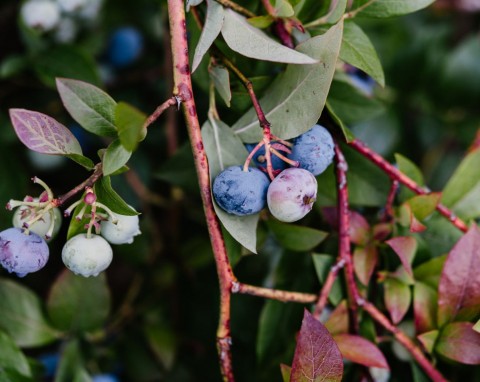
(162,290)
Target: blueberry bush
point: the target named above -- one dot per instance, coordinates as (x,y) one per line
(274,190)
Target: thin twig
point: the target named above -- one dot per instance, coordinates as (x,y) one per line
(396,174)
(183,89)
(159,111)
(327,287)
(236,7)
(273,294)
(388,212)
(401,337)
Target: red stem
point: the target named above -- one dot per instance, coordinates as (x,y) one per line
(389,213)
(327,287)
(401,337)
(183,89)
(344,250)
(396,174)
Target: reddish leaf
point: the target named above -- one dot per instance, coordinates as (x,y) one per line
(381,231)
(459,287)
(43,134)
(317,357)
(428,340)
(405,247)
(338,321)
(359,229)
(359,350)
(408,219)
(424,307)
(364,262)
(397,298)
(459,342)
(286,371)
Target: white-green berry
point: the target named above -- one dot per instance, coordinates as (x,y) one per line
(123,232)
(42,15)
(87,256)
(41,227)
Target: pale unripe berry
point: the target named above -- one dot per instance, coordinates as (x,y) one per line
(291,194)
(43,15)
(22,253)
(123,232)
(71,5)
(40,227)
(87,256)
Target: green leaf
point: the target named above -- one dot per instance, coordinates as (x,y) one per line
(459,342)
(295,237)
(115,157)
(428,340)
(424,307)
(462,191)
(294,102)
(12,357)
(211,30)
(66,61)
(347,133)
(390,8)
(286,371)
(225,149)
(350,104)
(476,327)
(13,65)
(90,106)
(323,264)
(8,374)
(221,80)
(397,298)
(129,121)
(82,160)
(106,195)
(411,170)
(283,8)
(251,42)
(71,306)
(22,316)
(71,365)
(77,226)
(357,50)
(429,272)
(261,22)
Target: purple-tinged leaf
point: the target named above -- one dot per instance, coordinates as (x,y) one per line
(359,229)
(405,247)
(424,307)
(317,357)
(43,134)
(381,231)
(286,371)
(459,287)
(397,298)
(364,262)
(459,342)
(359,350)
(337,323)
(428,339)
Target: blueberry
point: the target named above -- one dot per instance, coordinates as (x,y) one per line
(314,150)
(125,47)
(291,194)
(259,156)
(50,362)
(87,256)
(361,80)
(22,253)
(104,378)
(240,192)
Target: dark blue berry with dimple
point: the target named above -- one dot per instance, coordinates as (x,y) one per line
(239,192)
(260,160)
(125,47)
(314,150)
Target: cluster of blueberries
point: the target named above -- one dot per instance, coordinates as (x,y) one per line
(24,249)
(291,194)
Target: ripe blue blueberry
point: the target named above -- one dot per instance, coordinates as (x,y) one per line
(241,192)
(104,378)
(22,253)
(291,194)
(260,160)
(125,47)
(314,150)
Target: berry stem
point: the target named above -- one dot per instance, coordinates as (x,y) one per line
(45,186)
(236,7)
(327,287)
(252,153)
(396,174)
(173,101)
(273,294)
(291,162)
